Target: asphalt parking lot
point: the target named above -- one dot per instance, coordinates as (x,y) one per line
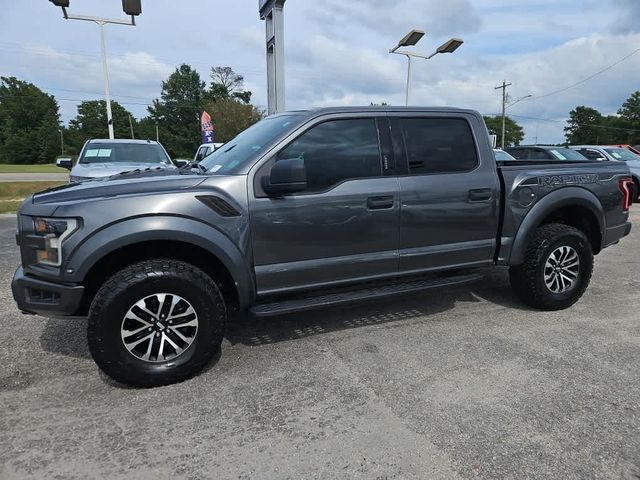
(466,383)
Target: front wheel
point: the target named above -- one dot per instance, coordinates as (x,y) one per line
(156,322)
(557,268)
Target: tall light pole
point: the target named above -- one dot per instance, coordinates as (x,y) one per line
(130,7)
(61,141)
(409,40)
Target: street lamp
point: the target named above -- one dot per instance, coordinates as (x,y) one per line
(413,37)
(130,7)
(519,100)
(505,98)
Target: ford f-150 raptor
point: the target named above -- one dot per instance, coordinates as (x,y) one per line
(308,209)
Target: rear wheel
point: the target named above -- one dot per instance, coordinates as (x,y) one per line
(556,270)
(156,322)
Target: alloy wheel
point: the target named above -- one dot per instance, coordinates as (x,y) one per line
(159,327)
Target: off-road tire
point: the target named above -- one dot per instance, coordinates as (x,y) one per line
(527,280)
(135,282)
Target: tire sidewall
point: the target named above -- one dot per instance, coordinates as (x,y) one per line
(108,322)
(581,245)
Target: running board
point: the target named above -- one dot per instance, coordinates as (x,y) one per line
(398,287)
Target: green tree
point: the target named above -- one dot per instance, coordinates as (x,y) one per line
(91,122)
(514,134)
(230,117)
(631,108)
(227,84)
(585,126)
(29,123)
(630,114)
(177,112)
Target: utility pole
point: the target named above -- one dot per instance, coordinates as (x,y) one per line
(131,127)
(504,108)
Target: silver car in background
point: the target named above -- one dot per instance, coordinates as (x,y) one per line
(101,158)
(614,154)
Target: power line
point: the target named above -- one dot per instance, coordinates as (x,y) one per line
(584,80)
(607,127)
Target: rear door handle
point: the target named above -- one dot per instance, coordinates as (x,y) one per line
(480,195)
(379,203)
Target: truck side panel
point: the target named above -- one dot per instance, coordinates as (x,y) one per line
(533,194)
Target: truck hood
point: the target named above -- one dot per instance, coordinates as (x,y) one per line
(108,169)
(131,183)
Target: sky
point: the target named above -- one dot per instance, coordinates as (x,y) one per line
(336,52)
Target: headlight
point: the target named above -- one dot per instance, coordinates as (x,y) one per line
(55,231)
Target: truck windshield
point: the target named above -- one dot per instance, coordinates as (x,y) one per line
(622,154)
(125,153)
(247,145)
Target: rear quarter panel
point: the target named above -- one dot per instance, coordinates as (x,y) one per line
(532,192)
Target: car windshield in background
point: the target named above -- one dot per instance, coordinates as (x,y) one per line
(502,156)
(567,154)
(246,145)
(622,154)
(125,153)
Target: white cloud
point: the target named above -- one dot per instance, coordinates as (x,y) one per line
(337,73)
(336,52)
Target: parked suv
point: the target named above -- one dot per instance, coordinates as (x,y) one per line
(305,210)
(542,153)
(103,158)
(614,154)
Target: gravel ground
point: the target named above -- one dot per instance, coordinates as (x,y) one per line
(462,384)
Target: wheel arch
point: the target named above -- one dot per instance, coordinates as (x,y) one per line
(136,239)
(573,206)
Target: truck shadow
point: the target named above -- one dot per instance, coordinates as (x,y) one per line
(248,330)
(68,337)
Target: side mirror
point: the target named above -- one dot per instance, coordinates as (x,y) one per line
(182,163)
(64,163)
(287,176)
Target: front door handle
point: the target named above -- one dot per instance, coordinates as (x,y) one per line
(480,195)
(379,203)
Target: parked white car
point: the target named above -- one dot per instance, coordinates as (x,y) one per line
(103,158)
(205,149)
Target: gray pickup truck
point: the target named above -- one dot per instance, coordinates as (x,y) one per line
(304,210)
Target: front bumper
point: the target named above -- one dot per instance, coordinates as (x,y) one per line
(45,298)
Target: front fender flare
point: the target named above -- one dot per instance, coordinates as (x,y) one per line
(564,197)
(161,227)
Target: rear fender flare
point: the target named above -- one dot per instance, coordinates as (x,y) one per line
(565,197)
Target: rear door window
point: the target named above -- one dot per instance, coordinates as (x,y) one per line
(439,145)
